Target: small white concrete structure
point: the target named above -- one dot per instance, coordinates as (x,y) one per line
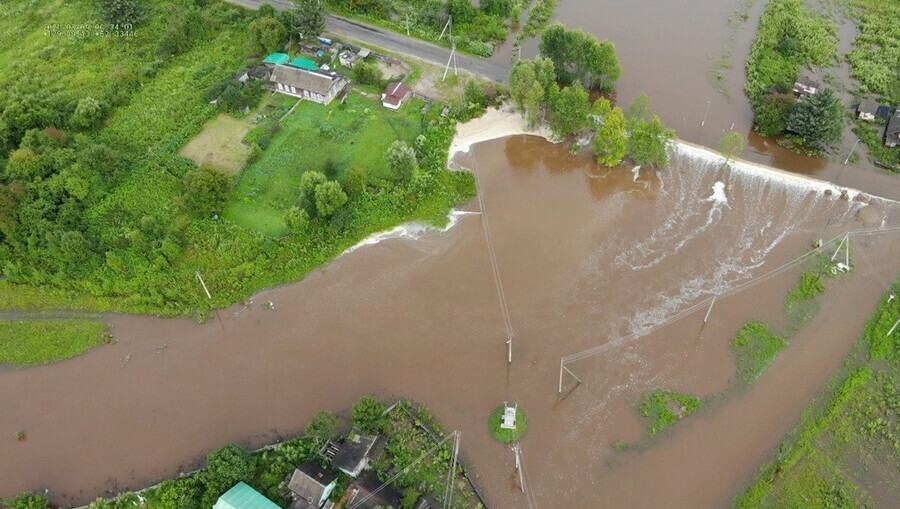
(509,416)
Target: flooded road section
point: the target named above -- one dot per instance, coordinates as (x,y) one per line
(668,50)
(584,254)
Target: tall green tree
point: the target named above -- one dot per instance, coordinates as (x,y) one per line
(402,159)
(611,142)
(569,111)
(818,119)
(122,11)
(322,427)
(206,190)
(771,115)
(309,18)
(267,33)
(225,467)
(648,141)
(329,198)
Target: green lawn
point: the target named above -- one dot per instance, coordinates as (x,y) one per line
(25,344)
(328,139)
(754,347)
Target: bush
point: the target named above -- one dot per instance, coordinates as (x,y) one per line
(368,415)
(755,346)
(322,427)
(225,467)
(87,114)
(122,11)
(368,73)
(206,190)
(27,501)
(402,160)
(329,198)
(355,180)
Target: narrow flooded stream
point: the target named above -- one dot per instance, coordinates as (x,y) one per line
(585,255)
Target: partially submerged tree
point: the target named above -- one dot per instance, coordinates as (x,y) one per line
(818,119)
(579,56)
(731,146)
(611,142)
(649,141)
(771,115)
(569,111)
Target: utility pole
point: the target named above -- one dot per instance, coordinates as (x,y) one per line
(851,151)
(519,467)
(705,114)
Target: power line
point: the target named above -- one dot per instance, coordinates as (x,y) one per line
(495,268)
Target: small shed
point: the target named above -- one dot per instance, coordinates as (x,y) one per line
(348,59)
(357,452)
(311,485)
(892,131)
(509,416)
(394,95)
(867,110)
(806,86)
(242,496)
(276,59)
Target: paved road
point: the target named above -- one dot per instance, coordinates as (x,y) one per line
(396,43)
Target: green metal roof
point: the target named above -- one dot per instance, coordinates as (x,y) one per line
(304,63)
(277,58)
(242,496)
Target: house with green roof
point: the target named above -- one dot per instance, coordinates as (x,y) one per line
(242,496)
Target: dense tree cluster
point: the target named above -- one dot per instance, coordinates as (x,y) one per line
(579,57)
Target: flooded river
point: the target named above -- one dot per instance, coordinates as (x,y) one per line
(585,255)
(667,50)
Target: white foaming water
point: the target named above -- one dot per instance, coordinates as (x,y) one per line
(408,230)
(718,197)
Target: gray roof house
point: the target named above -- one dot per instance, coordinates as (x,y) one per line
(357,452)
(892,132)
(311,485)
(317,86)
(368,493)
(867,110)
(805,86)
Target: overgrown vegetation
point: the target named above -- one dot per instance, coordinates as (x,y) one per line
(476,30)
(25,344)
(802,303)
(665,408)
(791,36)
(876,50)
(110,216)
(410,429)
(845,451)
(755,346)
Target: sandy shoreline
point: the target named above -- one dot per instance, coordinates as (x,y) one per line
(496,123)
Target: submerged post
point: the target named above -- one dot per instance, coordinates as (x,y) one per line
(840,245)
(560,376)
(509,349)
(708,311)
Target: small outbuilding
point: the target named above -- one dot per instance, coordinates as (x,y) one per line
(242,496)
(394,95)
(368,493)
(276,59)
(883,113)
(867,110)
(357,452)
(892,131)
(806,86)
(311,485)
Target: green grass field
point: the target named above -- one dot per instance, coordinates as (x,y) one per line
(665,408)
(845,452)
(24,344)
(754,347)
(328,139)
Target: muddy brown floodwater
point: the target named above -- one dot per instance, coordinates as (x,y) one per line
(585,255)
(667,49)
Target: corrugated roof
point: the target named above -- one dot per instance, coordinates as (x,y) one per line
(242,496)
(309,481)
(304,63)
(277,58)
(316,82)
